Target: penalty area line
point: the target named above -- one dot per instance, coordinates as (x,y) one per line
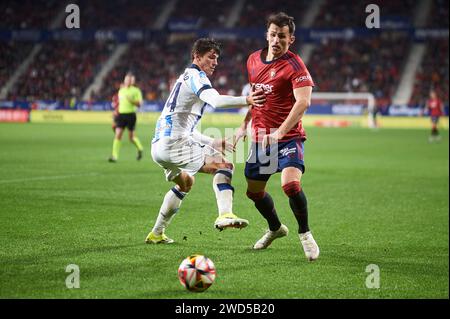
(45,178)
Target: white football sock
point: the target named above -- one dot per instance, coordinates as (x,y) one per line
(224,191)
(169,208)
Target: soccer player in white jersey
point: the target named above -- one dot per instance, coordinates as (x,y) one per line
(182,150)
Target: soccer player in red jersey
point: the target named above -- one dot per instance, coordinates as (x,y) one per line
(115,106)
(277,131)
(435,108)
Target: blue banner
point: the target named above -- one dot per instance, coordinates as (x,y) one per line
(188,28)
(316,109)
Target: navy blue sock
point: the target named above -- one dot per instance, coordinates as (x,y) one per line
(299,206)
(266,207)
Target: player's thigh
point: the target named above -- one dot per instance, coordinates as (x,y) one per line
(185,155)
(184,181)
(131,122)
(290,174)
(214,163)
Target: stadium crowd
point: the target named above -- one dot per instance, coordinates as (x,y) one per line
(63,70)
(367,65)
(253,10)
(28,14)
(118,14)
(348,13)
(12,54)
(203,14)
(433,73)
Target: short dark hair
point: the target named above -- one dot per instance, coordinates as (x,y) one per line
(281,19)
(204,45)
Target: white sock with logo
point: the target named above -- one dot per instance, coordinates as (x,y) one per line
(223,190)
(171,204)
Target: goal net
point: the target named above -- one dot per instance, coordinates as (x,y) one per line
(345,104)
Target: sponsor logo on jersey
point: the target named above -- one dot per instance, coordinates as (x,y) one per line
(303,78)
(267,88)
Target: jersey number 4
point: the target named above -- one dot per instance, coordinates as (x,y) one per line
(172,100)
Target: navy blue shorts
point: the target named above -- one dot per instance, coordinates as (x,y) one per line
(261,165)
(435,119)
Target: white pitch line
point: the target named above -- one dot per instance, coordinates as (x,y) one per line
(45,178)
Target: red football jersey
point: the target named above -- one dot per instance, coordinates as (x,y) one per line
(278,79)
(115,101)
(435,107)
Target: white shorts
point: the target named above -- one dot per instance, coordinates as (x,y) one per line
(183,155)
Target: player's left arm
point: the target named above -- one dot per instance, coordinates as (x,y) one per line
(139,99)
(302,102)
(219,144)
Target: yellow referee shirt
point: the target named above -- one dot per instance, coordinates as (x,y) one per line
(127,95)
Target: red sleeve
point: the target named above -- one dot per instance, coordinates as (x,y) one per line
(115,101)
(248,68)
(301,76)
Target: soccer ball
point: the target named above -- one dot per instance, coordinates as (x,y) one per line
(197,273)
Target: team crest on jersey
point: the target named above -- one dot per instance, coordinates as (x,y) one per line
(273,73)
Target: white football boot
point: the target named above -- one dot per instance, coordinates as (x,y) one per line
(309,246)
(230,220)
(270,236)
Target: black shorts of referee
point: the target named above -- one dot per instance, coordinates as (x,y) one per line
(127,120)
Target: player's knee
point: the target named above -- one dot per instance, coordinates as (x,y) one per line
(224,166)
(186,184)
(292,188)
(255,196)
(223,175)
(222,180)
(229,166)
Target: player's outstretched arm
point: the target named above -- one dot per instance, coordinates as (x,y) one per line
(302,102)
(220,144)
(213,98)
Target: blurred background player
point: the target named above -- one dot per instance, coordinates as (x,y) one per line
(130,98)
(277,126)
(115,107)
(435,109)
(182,150)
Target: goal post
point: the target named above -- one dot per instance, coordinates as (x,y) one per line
(348,103)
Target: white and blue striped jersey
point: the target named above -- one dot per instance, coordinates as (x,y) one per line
(183,108)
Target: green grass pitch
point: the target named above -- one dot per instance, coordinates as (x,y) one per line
(375,197)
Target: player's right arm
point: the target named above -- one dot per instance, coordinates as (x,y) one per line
(213,98)
(201,86)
